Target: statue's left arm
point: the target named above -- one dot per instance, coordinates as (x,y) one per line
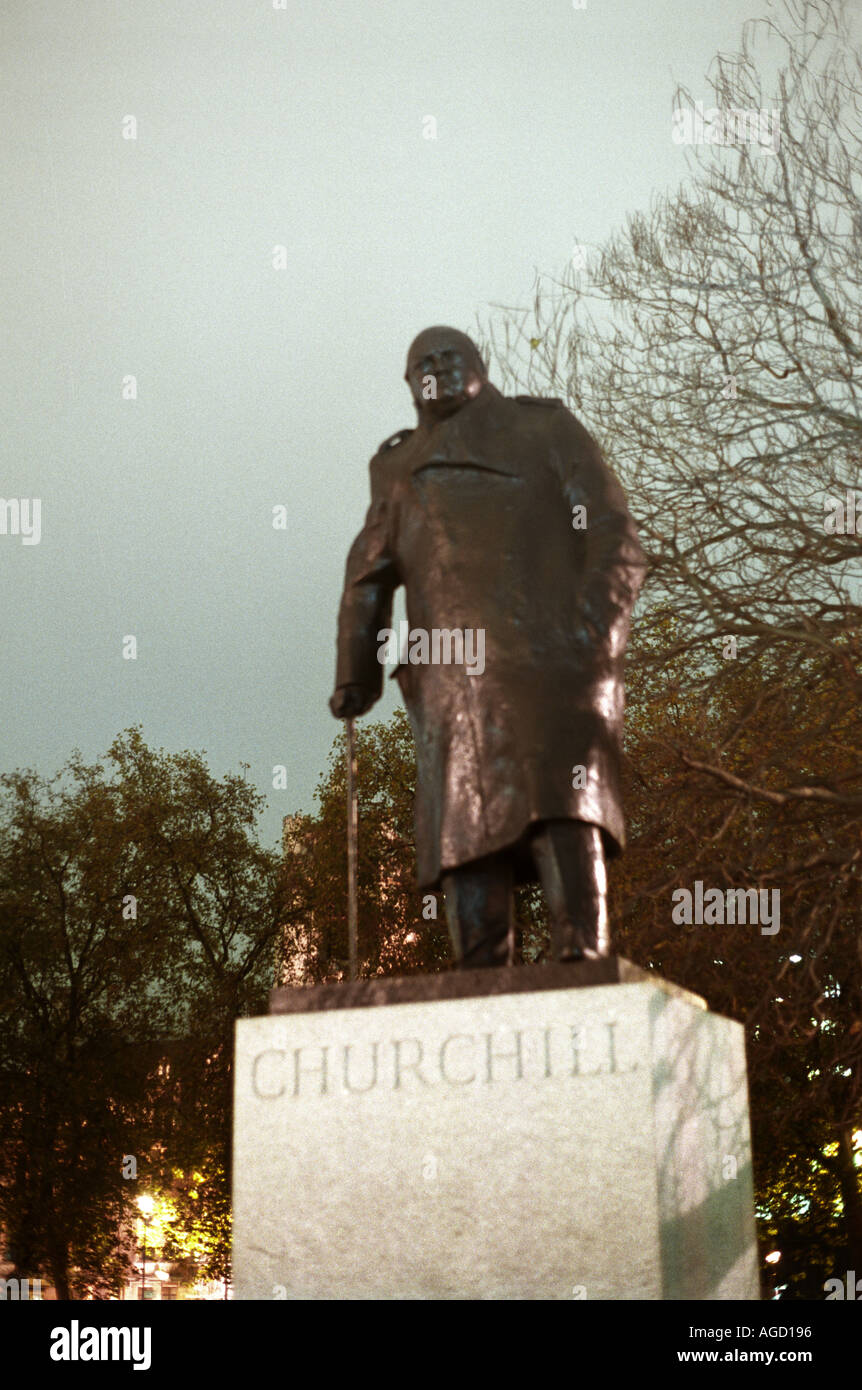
(615,562)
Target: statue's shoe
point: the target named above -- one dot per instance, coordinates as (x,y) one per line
(580,953)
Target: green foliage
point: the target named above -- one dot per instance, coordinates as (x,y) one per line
(138,918)
(197,1220)
(708,752)
(394,935)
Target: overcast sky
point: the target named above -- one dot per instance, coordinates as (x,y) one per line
(303,127)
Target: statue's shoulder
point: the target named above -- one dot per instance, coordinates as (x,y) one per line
(557,419)
(546,414)
(385,466)
(399,437)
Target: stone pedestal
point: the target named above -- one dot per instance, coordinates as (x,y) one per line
(546,1132)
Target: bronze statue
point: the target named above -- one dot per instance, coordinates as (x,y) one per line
(514,544)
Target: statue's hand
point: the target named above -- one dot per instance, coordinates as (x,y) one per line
(349,701)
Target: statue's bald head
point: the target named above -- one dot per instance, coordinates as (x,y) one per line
(439,338)
(445,370)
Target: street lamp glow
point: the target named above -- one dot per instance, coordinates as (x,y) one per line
(146,1205)
(773,1257)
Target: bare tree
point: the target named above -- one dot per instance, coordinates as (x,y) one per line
(714,348)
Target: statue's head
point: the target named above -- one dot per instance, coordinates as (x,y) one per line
(444,370)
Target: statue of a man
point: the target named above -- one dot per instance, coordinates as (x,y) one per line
(512,539)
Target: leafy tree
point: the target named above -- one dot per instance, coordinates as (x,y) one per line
(400,931)
(797,990)
(138,918)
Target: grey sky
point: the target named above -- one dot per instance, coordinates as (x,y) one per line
(258,127)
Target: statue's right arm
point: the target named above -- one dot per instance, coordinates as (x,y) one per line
(370,580)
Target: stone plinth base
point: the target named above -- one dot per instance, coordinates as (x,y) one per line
(550,1132)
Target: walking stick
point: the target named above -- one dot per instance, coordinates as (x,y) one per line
(352,838)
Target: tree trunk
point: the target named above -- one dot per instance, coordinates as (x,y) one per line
(59,1266)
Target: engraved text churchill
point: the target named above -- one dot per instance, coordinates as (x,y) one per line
(459,1059)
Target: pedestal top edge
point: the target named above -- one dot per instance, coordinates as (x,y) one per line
(469,984)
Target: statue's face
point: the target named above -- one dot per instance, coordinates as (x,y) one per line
(444,374)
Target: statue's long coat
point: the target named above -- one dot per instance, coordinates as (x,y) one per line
(474,516)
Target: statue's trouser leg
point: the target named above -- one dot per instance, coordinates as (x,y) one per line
(480,911)
(570,860)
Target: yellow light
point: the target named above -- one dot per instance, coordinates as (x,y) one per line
(773,1257)
(146,1205)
